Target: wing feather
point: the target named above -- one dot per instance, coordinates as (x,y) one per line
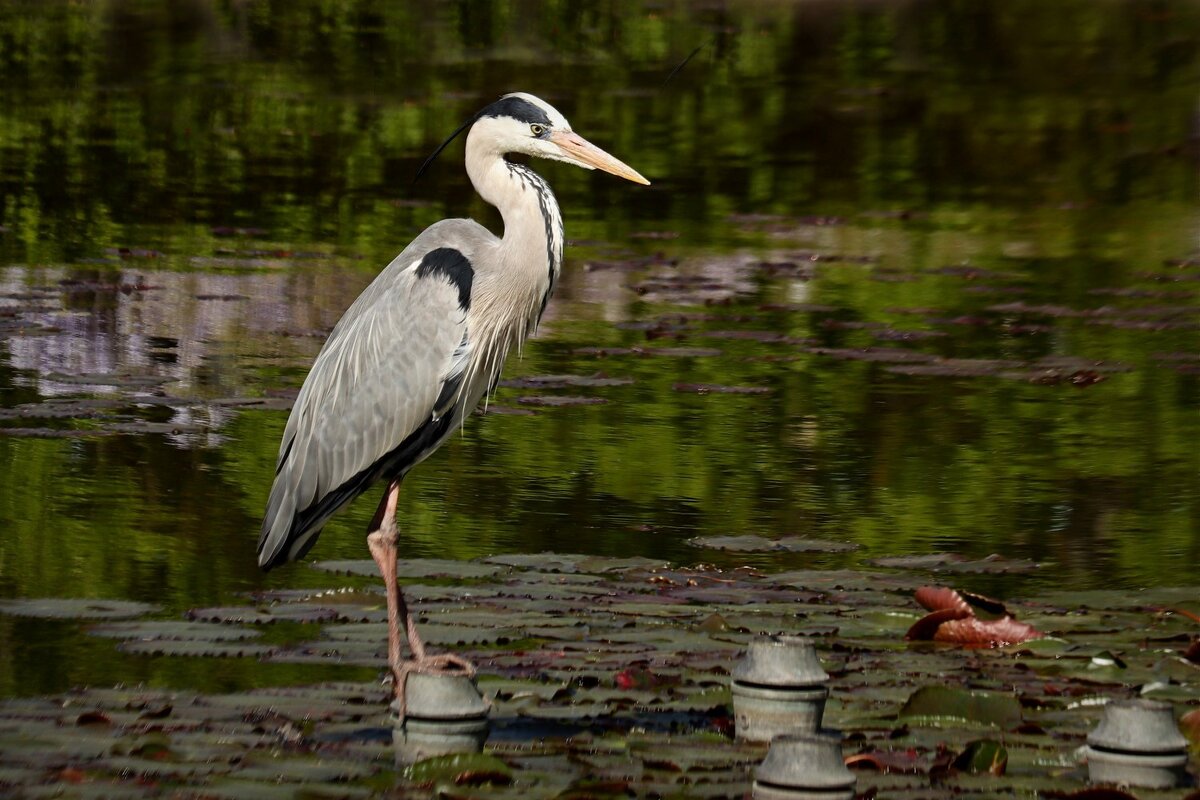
(367,407)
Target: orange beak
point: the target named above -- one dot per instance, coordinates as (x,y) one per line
(586,154)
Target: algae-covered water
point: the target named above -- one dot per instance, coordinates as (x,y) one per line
(911,278)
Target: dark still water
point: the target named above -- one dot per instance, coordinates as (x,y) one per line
(919,277)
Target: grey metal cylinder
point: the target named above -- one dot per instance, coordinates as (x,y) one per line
(778,687)
(804,766)
(446,714)
(1137,743)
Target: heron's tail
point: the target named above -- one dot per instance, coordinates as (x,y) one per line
(287,534)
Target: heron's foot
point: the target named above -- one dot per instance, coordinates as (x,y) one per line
(441,664)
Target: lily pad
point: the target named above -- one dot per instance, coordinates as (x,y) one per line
(947,705)
(266,615)
(556,400)
(759,544)
(716,388)
(564,381)
(453,768)
(172,629)
(207,649)
(76,608)
(414,568)
(983,755)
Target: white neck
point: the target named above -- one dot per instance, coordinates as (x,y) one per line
(533,227)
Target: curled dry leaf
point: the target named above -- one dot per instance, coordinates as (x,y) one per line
(953,619)
(941,598)
(926,628)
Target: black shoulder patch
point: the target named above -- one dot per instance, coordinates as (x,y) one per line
(454,266)
(518,108)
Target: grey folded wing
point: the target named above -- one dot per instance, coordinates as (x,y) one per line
(379,398)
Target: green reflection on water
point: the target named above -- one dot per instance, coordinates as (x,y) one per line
(264,151)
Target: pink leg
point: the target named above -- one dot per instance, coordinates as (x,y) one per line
(382,541)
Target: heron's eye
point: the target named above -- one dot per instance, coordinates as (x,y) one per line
(537,130)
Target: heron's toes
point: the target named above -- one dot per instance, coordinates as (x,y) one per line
(443,664)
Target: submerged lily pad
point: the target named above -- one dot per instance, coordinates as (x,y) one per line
(76,608)
(453,768)
(759,544)
(555,400)
(266,615)
(183,647)
(174,630)
(414,568)
(716,388)
(563,381)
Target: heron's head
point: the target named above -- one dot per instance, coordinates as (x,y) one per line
(522,123)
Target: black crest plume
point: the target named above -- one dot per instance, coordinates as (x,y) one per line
(470,121)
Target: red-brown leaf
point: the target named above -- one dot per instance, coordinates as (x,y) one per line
(93,718)
(939,598)
(1192,654)
(926,628)
(980,602)
(992,633)
(70,775)
(1189,724)
(906,762)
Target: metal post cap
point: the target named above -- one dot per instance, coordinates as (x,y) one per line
(805,761)
(1138,726)
(781,661)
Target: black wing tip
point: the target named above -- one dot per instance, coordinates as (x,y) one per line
(275,559)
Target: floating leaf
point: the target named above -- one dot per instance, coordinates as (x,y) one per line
(905,762)
(992,633)
(953,619)
(939,598)
(208,649)
(926,628)
(944,704)
(414,568)
(563,381)
(982,755)
(993,564)
(550,562)
(759,544)
(173,629)
(71,608)
(266,615)
(679,352)
(716,388)
(556,400)
(929,561)
(93,718)
(1092,793)
(453,767)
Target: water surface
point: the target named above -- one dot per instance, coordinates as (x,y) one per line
(192,193)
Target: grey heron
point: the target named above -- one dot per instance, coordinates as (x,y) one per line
(419,348)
